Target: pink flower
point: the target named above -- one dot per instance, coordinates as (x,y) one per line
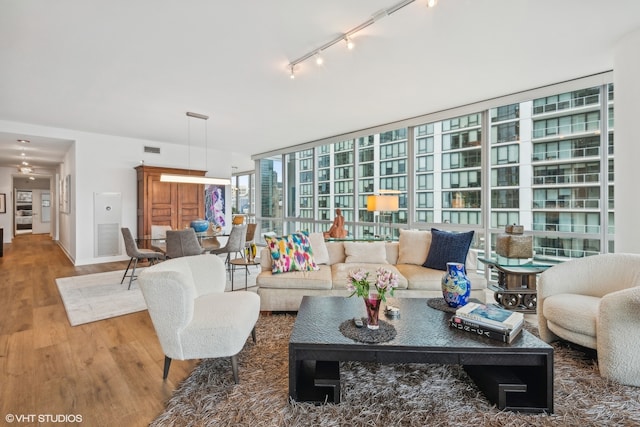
(358,283)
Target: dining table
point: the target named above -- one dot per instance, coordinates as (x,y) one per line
(207,239)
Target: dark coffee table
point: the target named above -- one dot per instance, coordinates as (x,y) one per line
(516,376)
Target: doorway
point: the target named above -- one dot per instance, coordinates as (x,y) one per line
(33,207)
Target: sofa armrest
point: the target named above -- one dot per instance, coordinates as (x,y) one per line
(618,334)
(265,259)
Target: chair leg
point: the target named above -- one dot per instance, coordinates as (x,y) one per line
(234,367)
(125,272)
(133,273)
(167,364)
(253,334)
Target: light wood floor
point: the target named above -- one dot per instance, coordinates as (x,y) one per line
(109,372)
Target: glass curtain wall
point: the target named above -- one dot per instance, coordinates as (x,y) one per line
(545,163)
(243,194)
(270,203)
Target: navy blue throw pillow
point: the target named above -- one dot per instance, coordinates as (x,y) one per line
(447,247)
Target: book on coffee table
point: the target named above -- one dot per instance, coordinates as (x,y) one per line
(490,314)
(477,328)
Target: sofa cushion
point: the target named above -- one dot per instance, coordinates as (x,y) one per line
(319,279)
(422,278)
(291,253)
(365,252)
(319,248)
(413,246)
(340,273)
(447,247)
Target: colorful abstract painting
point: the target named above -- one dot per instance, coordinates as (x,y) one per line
(214,204)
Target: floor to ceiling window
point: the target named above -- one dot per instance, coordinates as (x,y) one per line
(243,199)
(544,162)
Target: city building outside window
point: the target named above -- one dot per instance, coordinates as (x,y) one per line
(545,163)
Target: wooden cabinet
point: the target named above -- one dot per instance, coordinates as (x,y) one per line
(167,203)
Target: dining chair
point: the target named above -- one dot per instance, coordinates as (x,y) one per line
(135,254)
(159,231)
(251,233)
(235,243)
(183,243)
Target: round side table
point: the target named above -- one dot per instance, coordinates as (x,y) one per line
(242,262)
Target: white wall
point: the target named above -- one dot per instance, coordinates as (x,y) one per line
(627,149)
(104,163)
(6,219)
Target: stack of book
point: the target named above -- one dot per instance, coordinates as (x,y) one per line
(490,321)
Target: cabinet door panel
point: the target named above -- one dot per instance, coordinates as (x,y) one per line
(162,200)
(190,203)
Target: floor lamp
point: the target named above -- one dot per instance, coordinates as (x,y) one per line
(383,203)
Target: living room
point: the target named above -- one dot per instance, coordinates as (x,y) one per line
(102,153)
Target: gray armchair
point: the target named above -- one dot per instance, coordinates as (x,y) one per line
(136,254)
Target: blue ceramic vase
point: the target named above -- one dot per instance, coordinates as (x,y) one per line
(456,286)
(200,225)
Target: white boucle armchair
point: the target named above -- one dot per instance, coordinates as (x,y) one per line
(595,302)
(192,314)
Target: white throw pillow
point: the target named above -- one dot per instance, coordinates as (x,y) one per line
(413,246)
(365,252)
(319,248)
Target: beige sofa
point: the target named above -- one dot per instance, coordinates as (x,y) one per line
(284,291)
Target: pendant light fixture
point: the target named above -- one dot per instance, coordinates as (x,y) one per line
(193,179)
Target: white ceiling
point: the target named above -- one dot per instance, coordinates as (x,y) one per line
(133,68)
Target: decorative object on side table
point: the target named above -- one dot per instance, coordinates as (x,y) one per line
(359,285)
(456,286)
(514,244)
(250,252)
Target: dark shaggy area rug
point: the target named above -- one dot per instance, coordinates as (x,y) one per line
(384,395)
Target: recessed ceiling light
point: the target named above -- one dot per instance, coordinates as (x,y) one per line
(25,163)
(24,141)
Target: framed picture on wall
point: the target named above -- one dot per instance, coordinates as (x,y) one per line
(65,185)
(214,204)
(23,196)
(3,204)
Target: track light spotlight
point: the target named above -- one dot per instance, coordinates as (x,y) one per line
(350,44)
(346,36)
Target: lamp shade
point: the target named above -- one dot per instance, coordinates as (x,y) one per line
(383,203)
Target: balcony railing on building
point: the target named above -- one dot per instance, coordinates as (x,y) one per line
(576,178)
(567,104)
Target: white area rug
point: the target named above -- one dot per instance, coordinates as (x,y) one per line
(100,296)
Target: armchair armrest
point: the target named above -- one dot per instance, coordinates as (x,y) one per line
(618,336)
